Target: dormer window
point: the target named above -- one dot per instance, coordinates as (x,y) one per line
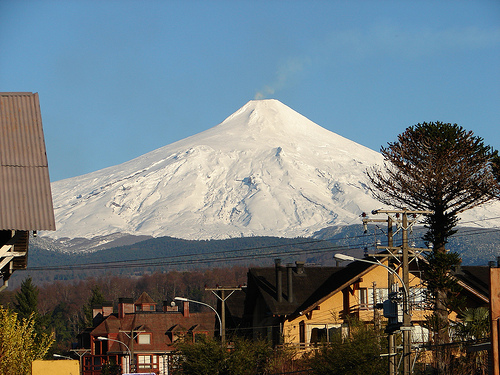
(144,339)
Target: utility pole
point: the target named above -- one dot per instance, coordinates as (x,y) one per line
(394,215)
(80,353)
(132,338)
(390,282)
(494,352)
(406,327)
(220,293)
(391,328)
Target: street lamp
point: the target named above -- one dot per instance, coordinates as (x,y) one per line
(61,356)
(102,338)
(351,259)
(205,304)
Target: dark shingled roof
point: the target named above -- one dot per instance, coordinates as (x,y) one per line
(477,277)
(318,283)
(309,288)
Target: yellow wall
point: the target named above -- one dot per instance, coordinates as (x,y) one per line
(327,314)
(59,367)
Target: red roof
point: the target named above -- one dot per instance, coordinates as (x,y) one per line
(164,328)
(144,299)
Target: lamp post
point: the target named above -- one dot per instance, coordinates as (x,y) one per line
(351,259)
(406,327)
(61,356)
(102,338)
(221,331)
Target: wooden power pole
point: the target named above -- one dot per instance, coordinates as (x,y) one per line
(495,317)
(403,253)
(220,293)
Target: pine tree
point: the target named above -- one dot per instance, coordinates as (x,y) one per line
(26,302)
(26,306)
(96,298)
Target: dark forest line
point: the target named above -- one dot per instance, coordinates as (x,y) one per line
(164,254)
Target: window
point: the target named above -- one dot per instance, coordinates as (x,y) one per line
(363,298)
(381,294)
(418,298)
(318,335)
(302,332)
(321,333)
(144,338)
(147,361)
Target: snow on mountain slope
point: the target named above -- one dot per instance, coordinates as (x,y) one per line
(264,171)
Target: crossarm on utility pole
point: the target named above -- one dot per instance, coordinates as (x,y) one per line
(222,297)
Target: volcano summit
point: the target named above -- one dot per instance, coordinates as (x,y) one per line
(264,171)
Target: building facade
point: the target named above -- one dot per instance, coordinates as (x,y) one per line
(140,336)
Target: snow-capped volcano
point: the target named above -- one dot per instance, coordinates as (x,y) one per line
(264,171)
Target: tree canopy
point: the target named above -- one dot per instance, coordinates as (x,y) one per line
(443,168)
(440,167)
(20,344)
(357,353)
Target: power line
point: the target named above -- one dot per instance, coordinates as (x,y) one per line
(236,255)
(191,259)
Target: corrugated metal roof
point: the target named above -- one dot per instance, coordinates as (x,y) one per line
(25,195)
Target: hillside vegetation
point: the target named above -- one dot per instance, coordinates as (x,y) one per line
(163,254)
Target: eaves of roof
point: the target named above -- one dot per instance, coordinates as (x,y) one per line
(335,283)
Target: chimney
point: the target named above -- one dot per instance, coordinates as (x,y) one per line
(185,309)
(125,306)
(279,285)
(289,278)
(96,310)
(170,307)
(300,267)
(107,308)
(100,312)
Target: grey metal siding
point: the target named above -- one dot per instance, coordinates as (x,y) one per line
(25,195)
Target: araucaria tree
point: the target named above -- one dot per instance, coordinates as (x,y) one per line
(443,168)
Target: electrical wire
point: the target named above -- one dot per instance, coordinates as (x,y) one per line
(239,254)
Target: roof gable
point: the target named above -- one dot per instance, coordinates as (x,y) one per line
(144,298)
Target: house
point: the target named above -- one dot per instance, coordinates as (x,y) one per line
(138,337)
(304,306)
(25,196)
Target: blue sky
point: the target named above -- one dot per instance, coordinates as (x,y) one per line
(118,79)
